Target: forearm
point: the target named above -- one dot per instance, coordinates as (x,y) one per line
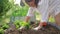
(44,19)
(29,14)
(27,18)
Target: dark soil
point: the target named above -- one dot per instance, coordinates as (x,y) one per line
(45,30)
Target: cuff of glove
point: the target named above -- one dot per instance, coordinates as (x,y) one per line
(43,23)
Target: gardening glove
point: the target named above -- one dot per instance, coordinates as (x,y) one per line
(22,24)
(22,27)
(40,26)
(37,28)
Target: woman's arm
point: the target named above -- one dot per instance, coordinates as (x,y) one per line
(44,11)
(29,14)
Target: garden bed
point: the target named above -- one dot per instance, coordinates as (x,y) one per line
(45,30)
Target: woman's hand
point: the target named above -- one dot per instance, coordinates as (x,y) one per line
(40,25)
(24,23)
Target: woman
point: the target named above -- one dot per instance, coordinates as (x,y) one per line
(46,8)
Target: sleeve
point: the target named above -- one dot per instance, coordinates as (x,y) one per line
(44,11)
(30,12)
(44,17)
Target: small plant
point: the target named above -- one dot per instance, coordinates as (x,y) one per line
(5,26)
(21,23)
(1,31)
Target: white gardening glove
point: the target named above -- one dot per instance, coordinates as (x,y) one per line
(40,26)
(22,27)
(37,28)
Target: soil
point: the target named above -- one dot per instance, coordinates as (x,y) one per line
(45,30)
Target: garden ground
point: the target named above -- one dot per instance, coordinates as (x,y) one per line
(45,30)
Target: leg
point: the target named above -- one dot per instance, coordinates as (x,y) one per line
(57,19)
